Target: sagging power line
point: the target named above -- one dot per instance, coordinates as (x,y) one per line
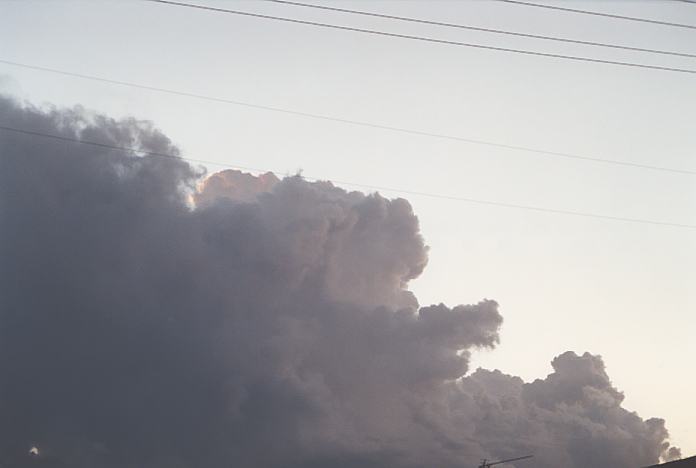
(480,29)
(428,39)
(478,201)
(358,123)
(597,13)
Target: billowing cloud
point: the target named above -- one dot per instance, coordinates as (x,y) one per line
(267,325)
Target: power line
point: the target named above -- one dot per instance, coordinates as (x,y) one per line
(488,30)
(127,149)
(354,184)
(428,39)
(357,123)
(596,13)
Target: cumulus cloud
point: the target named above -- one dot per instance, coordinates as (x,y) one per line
(267,325)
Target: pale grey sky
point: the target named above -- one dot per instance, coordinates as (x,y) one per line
(622,290)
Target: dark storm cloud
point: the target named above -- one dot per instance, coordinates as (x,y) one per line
(268,326)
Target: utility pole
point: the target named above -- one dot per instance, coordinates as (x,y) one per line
(487,464)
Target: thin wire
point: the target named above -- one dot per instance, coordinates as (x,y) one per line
(127,149)
(488,30)
(357,123)
(354,184)
(427,39)
(596,13)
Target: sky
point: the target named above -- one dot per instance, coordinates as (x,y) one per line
(621,290)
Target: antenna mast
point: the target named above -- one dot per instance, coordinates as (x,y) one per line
(487,464)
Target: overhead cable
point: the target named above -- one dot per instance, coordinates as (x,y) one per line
(597,13)
(357,123)
(487,30)
(429,39)
(354,184)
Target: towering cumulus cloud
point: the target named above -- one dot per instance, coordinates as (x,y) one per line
(149,318)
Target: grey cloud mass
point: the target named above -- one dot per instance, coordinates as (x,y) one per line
(153,318)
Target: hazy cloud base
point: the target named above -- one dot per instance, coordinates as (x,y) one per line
(150,320)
